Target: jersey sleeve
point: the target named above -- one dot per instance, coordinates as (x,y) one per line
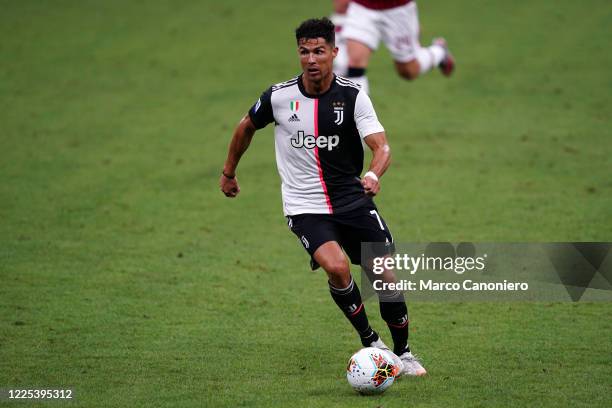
(365,116)
(261,112)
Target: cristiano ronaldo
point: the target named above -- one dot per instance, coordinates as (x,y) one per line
(321,124)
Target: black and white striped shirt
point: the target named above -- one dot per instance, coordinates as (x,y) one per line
(318,142)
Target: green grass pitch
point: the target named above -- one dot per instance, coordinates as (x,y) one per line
(127,275)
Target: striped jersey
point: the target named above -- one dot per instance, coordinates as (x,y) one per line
(318,143)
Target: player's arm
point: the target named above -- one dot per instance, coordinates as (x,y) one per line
(381,159)
(373,135)
(258,117)
(240,143)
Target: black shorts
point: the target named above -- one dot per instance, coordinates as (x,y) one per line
(349,229)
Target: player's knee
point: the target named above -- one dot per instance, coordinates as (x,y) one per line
(339,273)
(358,53)
(357,61)
(339,268)
(409,70)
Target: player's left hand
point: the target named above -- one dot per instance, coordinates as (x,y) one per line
(370,186)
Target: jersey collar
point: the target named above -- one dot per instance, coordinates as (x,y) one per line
(306,94)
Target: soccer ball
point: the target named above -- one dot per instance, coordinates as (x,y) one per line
(371,371)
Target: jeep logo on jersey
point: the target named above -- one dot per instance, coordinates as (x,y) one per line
(310,141)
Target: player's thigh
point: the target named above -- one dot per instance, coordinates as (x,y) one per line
(400,32)
(334,262)
(361,25)
(365,225)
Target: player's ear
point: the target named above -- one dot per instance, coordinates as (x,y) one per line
(335,51)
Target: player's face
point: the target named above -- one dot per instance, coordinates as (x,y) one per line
(316,57)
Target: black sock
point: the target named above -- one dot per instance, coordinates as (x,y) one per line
(349,301)
(355,72)
(395,313)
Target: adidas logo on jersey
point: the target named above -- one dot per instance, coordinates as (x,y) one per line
(310,141)
(294,118)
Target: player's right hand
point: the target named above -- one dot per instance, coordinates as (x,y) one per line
(370,186)
(229,186)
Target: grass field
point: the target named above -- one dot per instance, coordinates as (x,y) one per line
(127,275)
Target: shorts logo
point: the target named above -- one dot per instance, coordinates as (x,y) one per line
(310,141)
(305,242)
(339,111)
(352,308)
(289,222)
(258,104)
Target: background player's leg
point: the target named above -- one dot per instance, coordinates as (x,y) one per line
(339,18)
(359,57)
(426,59)
(430,57)
(408,70)
(344,290)
(401,35)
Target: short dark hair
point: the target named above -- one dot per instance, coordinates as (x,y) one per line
(315,28)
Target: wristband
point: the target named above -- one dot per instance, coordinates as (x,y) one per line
(229,177)
(371,175)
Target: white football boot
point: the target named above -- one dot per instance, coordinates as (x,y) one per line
(412,365)
(379,344)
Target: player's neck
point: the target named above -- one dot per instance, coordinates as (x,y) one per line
(318,87)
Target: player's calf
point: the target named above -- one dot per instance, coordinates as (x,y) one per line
(349,301)
(394,312)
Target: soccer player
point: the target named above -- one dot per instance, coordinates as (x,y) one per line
(320,121)
(366,22)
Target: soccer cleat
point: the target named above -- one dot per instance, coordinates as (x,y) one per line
(447,66)
(412,365)
(379,344)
